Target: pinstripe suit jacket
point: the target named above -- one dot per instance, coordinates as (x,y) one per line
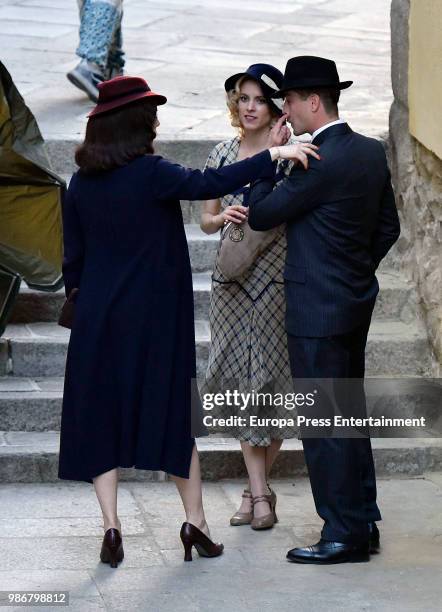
(341,221)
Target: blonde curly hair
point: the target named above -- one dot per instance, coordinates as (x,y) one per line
(232,99)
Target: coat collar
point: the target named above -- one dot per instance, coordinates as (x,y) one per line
(334,130)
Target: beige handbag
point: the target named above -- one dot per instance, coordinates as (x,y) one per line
(240,246)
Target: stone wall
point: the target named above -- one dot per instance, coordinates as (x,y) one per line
(417,179)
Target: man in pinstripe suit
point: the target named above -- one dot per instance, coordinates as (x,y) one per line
(341,221)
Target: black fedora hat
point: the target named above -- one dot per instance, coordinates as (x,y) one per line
(267,76)
(306,71)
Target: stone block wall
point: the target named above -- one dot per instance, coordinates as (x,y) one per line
(417,179)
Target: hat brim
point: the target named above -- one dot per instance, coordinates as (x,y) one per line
(156,99)
(231,81)
(282,92)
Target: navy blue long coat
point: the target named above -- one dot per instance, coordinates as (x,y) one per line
(131,356)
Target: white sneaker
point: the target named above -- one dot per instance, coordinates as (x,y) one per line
(86,76)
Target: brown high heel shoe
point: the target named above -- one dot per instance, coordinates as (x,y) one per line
(274,498)
(192,536)
(112,548)
(268,520)
(243,518)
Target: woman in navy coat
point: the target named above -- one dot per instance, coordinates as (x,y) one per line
(131,356)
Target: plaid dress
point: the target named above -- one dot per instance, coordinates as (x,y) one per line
(248,337)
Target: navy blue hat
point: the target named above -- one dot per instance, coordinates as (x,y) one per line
(267,76)
(306,71)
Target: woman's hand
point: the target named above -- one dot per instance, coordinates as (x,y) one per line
(279,134)
(298,152)
(235,213)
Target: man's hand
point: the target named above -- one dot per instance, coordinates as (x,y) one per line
(279,134)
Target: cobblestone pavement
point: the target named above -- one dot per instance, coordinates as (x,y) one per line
(187,48)
(50,537)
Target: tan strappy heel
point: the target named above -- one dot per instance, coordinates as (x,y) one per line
(243,518)
(268,520)
(274,498)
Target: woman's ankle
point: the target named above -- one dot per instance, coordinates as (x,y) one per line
(198,521)
(112,524)
(260,490)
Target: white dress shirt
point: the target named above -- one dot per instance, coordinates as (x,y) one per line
(327,125)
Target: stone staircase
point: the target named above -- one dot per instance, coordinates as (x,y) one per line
(33,351)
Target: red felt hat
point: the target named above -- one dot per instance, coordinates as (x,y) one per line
(122,90)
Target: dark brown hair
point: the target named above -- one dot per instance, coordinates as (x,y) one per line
(328,95)
(115,138)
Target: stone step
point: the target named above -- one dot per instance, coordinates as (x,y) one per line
(396,300)
(28,404)
(189,153)
(40,306)
(34,404)
(191,211)
(39,349)
(202,248)
(33,457)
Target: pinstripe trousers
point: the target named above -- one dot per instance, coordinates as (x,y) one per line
(341,470)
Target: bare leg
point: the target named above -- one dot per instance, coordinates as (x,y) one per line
(271,454)
(255,460)
(106,486)
(246,502)
(191,494)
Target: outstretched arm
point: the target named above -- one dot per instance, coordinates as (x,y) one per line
(173,181)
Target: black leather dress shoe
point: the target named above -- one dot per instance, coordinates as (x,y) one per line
(375,540)
(325,553)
